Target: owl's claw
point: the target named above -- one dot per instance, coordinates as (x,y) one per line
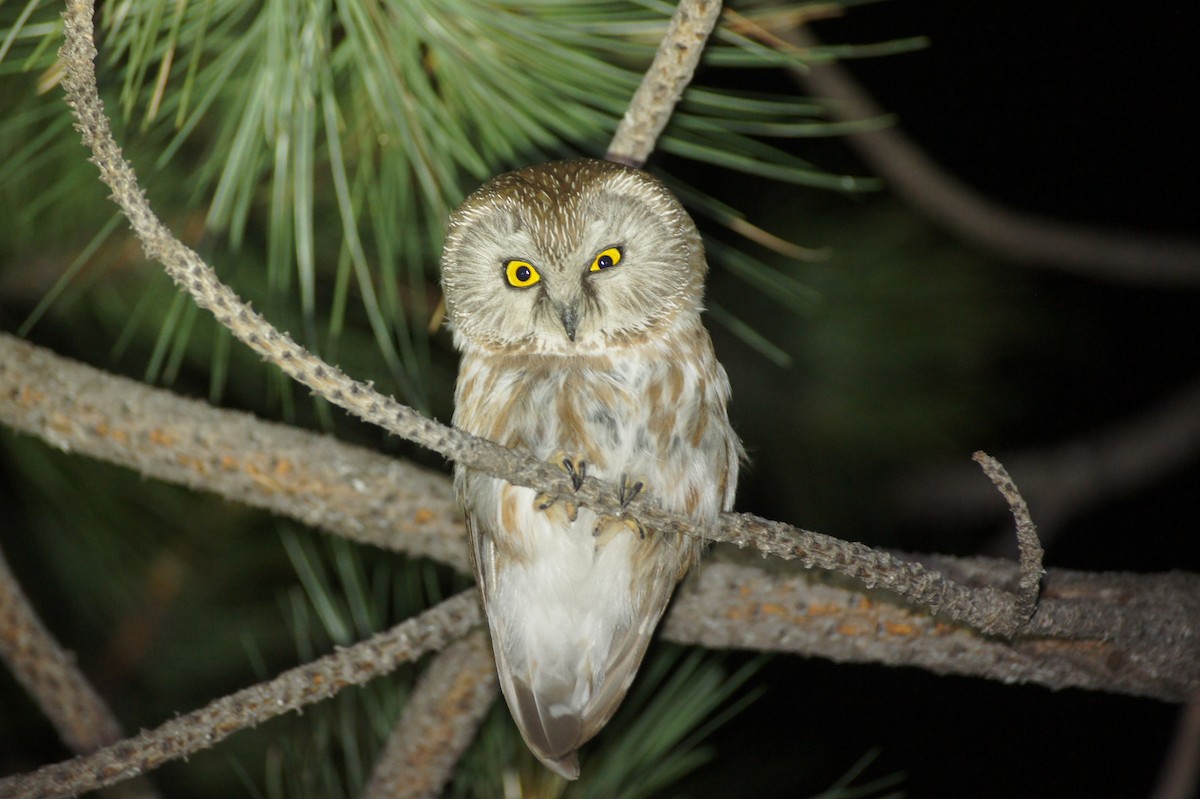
(575,468)
(547,501)
(627,491)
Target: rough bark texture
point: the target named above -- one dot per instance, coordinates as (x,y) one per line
(315,479)
(664,82)
(203,728)
(439,722)
(1127,633)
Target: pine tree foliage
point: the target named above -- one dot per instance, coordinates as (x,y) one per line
(320,145)
(312,149)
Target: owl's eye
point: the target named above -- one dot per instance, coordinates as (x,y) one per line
(606,260)
(521,274)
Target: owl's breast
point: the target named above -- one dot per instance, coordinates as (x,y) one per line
(654,413)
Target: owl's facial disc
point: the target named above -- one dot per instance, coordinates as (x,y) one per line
(570,257)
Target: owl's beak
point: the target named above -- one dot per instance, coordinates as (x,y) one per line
(570,319)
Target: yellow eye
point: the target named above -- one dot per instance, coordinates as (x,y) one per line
(521,274)
(606,260)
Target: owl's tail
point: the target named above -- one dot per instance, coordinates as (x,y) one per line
(551,729)
(559,709)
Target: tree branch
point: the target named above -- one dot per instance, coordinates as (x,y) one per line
(1021,236)
(48,672)
(251,706)
(1127,633)
(439,722)
(152,430)
(1065,479)
(315,479)
(664,83)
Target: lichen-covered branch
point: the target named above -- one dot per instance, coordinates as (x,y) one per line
(1029,548)
(664,82)
(350,491)
(87,411)
(439,722)
(251,706)
(1127,633)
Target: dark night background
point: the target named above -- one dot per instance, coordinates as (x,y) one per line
(1082,112)
(923,348)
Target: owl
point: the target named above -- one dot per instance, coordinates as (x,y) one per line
(574,291)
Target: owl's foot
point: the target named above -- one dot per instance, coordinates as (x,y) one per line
(575,467)
(607,526)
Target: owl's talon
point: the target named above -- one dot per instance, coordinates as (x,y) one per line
(575,467)
(628,491)
(605,527)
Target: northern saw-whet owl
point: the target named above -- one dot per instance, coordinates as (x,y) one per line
(574,290)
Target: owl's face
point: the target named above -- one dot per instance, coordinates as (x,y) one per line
(570,257)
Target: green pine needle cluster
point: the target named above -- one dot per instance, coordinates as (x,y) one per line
(313,148)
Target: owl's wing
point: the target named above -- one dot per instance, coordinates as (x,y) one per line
(625,655)
(551,727)
(552,735)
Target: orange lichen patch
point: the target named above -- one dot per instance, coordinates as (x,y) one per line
(284,467)
(269,480)
(848,629)
(229,463)
(30,396)
(900,628)
(423,516)
(162,437)
(825,609)
(864,603)
(193,463)
(745,590)
(772,609)
(100,429)
(740,613)
(318,679)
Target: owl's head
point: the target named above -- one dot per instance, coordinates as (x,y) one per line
(570,257)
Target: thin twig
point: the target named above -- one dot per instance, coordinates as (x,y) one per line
(1029,560)
(291,690)
(664,82)
(82,409)
(439,722)
(1066,479)
(1021,236)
